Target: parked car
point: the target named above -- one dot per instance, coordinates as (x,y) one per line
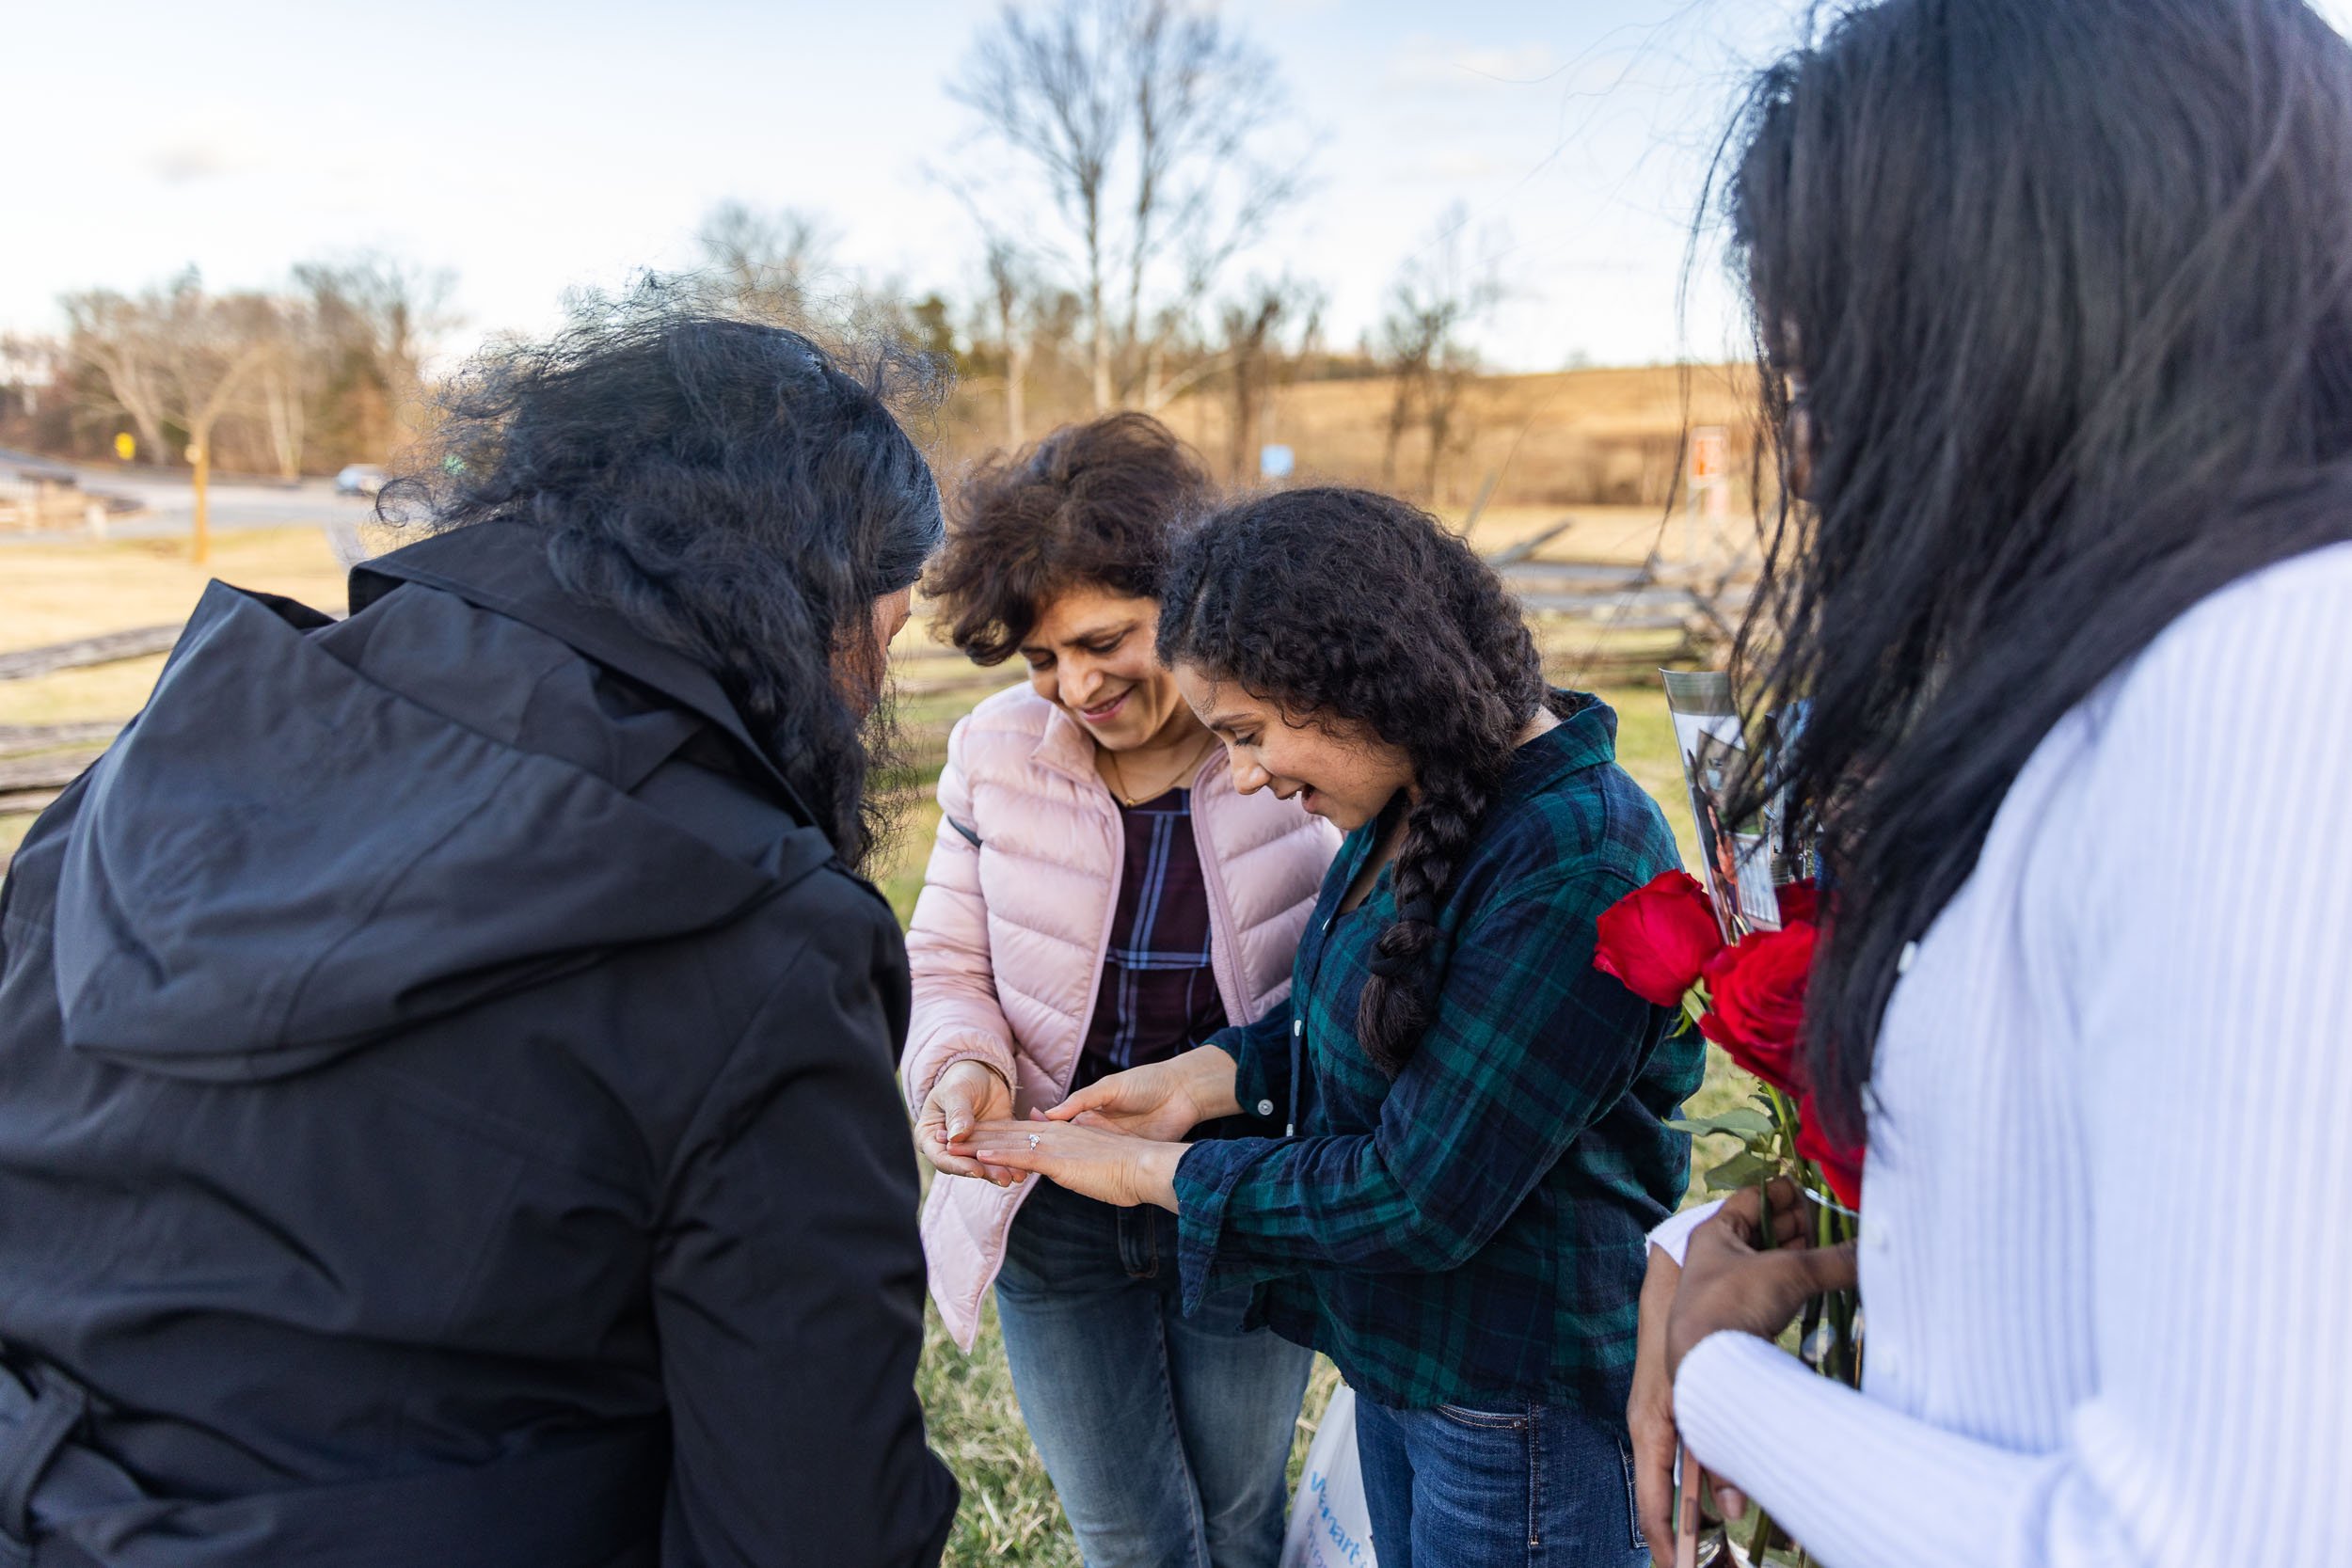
(359,478)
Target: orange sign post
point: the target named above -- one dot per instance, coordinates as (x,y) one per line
(1709,485)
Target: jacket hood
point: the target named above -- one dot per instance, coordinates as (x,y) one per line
(318,834)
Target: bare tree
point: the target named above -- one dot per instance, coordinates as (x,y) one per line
(1143,121)
(213,346)
(380,318)
(764,264)
(288,381)
(116,335)
(177,356)
(1254,352)
(1438,295)
(1012,296)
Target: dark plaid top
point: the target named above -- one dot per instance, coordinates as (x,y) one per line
(1158,994)
(1473,1230)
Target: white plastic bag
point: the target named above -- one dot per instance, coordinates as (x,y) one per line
(1331,1527)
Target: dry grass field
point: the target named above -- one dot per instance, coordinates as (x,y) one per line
(1572,439)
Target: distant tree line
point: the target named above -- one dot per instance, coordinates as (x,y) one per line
(325,371)
(1124,162)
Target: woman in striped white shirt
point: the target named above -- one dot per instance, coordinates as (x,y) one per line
(2067,288)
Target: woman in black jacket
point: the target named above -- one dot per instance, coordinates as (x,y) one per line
(449,1112)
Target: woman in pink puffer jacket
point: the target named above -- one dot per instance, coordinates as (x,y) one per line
(1099,897)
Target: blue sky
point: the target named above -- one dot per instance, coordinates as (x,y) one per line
(533,147)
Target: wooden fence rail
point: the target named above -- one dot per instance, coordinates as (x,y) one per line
(50,770)
(82,652)
(18,740)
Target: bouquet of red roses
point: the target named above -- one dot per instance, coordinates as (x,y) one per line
(1666,943)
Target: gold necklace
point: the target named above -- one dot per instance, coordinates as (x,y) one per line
(1118,775)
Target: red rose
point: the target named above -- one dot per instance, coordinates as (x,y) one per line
(1756,1003)
(1799,901)
(1841,1168)
(1658,937)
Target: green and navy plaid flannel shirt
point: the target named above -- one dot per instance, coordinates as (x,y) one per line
(1472,1230)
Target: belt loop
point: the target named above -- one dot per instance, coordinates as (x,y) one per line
(57,1408)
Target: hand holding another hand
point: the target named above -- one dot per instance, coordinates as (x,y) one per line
(966,1094)
(1094,1161)
(1162,1101)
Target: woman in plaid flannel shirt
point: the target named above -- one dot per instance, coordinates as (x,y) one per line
(1475,1118)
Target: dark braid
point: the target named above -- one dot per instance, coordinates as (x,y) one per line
(1349,605)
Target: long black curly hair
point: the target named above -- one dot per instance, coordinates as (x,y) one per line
(1351,608)
(730,490)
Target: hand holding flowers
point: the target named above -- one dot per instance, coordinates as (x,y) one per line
(1782,1242)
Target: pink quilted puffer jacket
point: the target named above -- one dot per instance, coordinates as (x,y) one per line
(1009,933)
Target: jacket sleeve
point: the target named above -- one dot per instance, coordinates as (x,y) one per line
(956,1015)
(1526,1046)
(789,1288)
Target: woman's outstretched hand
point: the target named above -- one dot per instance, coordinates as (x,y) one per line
(967,1094)
(1728,1281)
(1093,1162)
(1161,1101)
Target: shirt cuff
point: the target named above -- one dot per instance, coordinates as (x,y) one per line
(1672,1234)
(1253,1090)
(1205,1179)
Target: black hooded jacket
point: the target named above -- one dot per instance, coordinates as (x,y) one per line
(447,1115)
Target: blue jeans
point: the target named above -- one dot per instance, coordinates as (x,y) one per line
(1519,1485)
(1166,1437)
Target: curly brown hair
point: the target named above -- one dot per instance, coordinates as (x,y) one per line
(1348,605)
(1091,505)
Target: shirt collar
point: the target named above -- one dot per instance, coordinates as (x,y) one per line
(1587,737)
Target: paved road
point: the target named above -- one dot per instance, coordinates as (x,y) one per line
(171,506)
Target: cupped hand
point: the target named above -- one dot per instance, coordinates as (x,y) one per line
(1161,1101)
(967,1094)
(1729,1282)
(1094,1161)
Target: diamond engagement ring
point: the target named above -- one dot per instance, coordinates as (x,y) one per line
(1033,1140)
